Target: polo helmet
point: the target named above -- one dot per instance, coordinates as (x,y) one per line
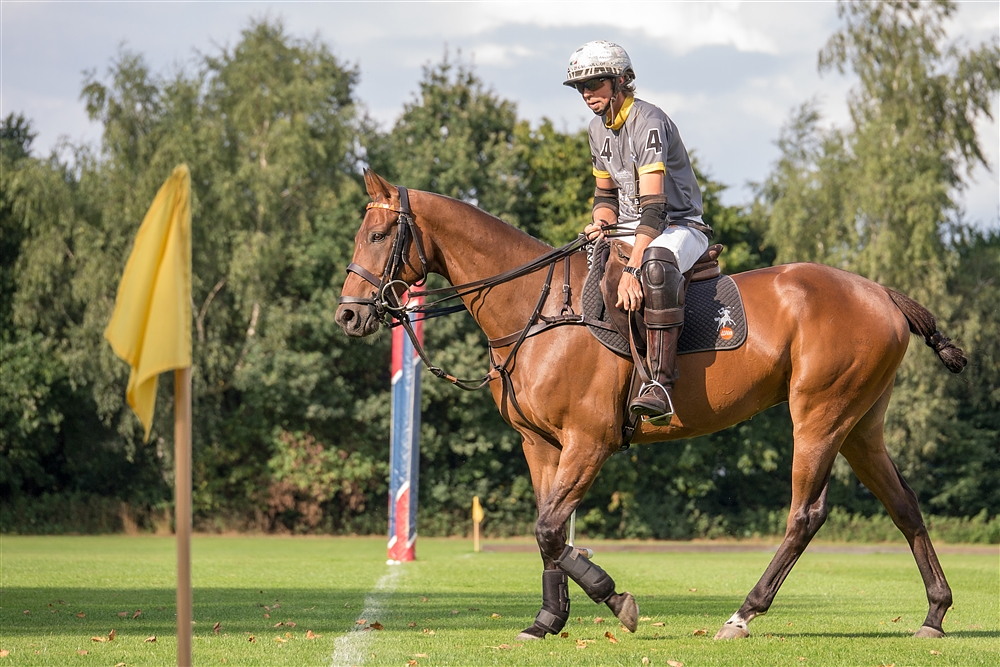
(596,59)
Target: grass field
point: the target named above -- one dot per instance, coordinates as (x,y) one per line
(323,601)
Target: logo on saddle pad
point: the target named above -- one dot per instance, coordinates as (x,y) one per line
(726,323)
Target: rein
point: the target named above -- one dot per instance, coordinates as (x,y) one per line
(394,313)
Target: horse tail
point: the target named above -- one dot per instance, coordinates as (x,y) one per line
(922,323)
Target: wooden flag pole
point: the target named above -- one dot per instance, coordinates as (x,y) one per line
(182,511)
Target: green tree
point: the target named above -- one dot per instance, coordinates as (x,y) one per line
(268,130)
(878,196)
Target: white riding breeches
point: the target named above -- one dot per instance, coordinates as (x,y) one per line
(687,244)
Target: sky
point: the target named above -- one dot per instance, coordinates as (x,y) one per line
(730,74)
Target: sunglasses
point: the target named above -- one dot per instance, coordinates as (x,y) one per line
(590,84)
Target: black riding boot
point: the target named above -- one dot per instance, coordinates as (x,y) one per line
(663,287)
(654,400)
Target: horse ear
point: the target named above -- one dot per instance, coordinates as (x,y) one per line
(377,186)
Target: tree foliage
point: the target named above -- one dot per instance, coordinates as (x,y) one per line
(878,198)
(292,418)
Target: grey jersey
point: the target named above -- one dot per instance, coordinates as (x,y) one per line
(644,139)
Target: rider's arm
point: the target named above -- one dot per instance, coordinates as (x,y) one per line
(629,289)
(605,210)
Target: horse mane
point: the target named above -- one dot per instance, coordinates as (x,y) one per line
(486,215)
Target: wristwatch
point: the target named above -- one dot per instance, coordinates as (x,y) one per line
(633,270)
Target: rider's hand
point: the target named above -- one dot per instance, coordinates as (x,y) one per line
(629,292)
(595,230)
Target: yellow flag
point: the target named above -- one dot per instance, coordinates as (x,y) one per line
(477,510)
(150,328)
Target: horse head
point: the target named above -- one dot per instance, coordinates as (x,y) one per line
(388,259)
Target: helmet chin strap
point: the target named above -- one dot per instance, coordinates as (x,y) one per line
(608,112)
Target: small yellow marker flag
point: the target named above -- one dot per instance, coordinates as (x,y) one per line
(150,328)
(477,518)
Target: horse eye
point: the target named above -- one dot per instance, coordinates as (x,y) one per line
(376,237)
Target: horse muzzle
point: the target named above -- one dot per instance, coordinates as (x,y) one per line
(357,320)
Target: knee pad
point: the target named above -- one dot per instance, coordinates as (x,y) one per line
(594,581)
(662,281)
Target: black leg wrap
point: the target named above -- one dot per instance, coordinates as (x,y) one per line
(555,602)
(594,581)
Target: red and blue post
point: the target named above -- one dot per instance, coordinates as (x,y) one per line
(404,448)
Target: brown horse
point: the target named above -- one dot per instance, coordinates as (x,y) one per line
(826,341)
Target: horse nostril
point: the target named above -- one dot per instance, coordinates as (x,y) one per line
(345,316)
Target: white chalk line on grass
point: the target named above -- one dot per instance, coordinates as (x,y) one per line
(351,649)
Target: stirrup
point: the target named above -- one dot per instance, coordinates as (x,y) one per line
(663,418)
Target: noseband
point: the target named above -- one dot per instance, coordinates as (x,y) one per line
(384,299)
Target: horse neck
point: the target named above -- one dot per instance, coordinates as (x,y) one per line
(471,245)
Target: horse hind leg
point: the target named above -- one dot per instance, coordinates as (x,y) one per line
(815,450)
(865,450)
(808,513)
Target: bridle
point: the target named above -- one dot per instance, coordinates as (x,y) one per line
(392,312)
(384,300)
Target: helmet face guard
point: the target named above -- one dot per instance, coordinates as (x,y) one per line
(596,59)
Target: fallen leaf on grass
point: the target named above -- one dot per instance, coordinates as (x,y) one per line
(109,638)
(645,660)
(564,635)
(311,635)
(4,653)
(281,640)
(150,640)
(361,621)
(692,590)
(611,637)
(81,615)
(598,619)
(428,631)
(896,620)
(137,613)
(495,615)
(252,639)
(659,624)
(411,663)
(935,652)
(581,643)
(217,627)
(82,652)
(375,626)
(699,632)
(120,664)
(675,663)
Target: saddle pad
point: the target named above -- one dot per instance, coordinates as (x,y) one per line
(714,318)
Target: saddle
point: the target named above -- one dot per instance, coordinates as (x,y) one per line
(714,317)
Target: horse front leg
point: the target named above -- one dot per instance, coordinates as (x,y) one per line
(557,499)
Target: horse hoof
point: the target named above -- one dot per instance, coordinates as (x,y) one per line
(626,609)
(526,636)
(927,632)
(732,631)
